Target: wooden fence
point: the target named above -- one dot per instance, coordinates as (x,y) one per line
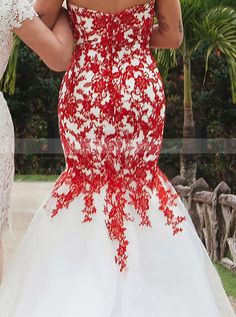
(214,216)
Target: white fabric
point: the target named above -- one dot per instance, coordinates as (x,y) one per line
(12,14)
(6,165)
(65,268)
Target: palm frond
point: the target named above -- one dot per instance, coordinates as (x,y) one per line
(218,29)
(191,12)
(232,73)
(166,59)
(209,4)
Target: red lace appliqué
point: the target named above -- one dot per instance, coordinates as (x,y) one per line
(111,117)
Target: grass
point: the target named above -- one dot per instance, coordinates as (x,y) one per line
(35,178)
(228,279)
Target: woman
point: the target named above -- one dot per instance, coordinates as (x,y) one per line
(100,246)
(55,48)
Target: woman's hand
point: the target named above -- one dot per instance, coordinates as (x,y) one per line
(48,11)
(168,33)
(54,47)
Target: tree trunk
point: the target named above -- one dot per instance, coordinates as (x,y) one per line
(188,158)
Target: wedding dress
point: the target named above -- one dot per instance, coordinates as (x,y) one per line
(113,239)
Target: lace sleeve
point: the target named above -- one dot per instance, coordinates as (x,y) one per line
(20,11)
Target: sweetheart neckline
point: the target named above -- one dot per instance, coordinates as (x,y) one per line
(71,5)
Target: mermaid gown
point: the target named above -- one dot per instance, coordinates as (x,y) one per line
(113,238)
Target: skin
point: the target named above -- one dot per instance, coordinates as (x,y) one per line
(54,46)
(48,11)
(168,33)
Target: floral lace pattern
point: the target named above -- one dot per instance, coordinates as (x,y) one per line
(6,166)
(12,14)
(111,116)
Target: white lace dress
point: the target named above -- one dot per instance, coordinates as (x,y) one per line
(12,13)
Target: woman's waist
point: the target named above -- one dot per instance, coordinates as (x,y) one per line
(97,50)
(112,42)
(91,62)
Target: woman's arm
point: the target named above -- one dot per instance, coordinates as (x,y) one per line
(48,10)
(168,33)
(54,47)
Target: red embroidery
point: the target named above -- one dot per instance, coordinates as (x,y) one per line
(111,116)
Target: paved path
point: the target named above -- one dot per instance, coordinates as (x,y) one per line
(27,198)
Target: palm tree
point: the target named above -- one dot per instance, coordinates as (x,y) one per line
(208,25)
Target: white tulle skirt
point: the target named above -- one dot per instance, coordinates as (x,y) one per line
(65,268)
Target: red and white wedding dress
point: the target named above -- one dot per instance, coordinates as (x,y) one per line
(113,239)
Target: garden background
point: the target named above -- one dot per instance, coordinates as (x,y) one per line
(200,86)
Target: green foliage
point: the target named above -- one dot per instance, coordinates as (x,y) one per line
(210,25)
(214,115)
(34,111)
(221,36)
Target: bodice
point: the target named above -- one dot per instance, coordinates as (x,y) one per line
(113,31)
